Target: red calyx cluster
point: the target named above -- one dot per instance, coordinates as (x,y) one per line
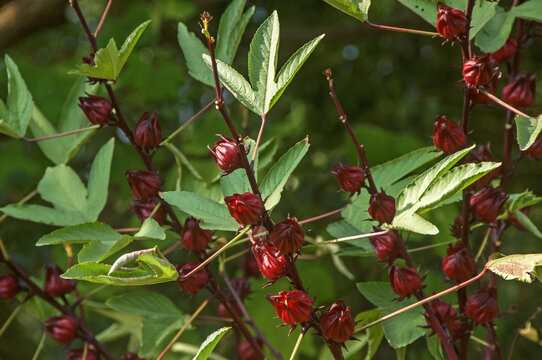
(144,184)
(535,150)
(144,208)
(487,203)
(382,207)
(97,109)
(193,236)
(448,136)
(351,178)
(458,263)
(9,286)
(271,263)
(193,283)
(54,285)
(288,236)
(77,354)
(386,246)
(226,154)
(404,281)
(451,23)
(246,208)
(520,91)
(292,307)
(148,132)
(478,70)
(506,52)
(482,306)
(447,317)
(337,323)
(61,328)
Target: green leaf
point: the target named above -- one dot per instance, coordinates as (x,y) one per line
(62,187)
(193,50)
(482,13)
(146,303)
(273,183)
(528,224)
(410,221)
(434,347)
(153,271)
(150,229)
(44,215)
(181,159)
(211,214)
(530,10)
(230,30)
(155,332)
(496,31)
(528,130)
(109,60)
(426,9)
(356,8)
(521,267)
(374,333)
(519,201)
(98,181)
(210,343)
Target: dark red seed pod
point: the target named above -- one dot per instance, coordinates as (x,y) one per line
(271,263)
(447,317)
(404,281)
(482,306)
(451,23)
(535,150)
(292,307)
(458,263)
(245,351)
(131,356)
(77,354)
(487,203)
(457,227)
(246,208)
(148,132)
(143,209)
(478,70)
(337,323)
(9,286)
(483,153)
(351,178)
(448,136)
(382,207)
(194,282)
(520,91)
(144,184)
(97,109)
(226,154)
(61,328)
(506,52)
(193,236)
(54,285)
(478,97)
(288,236)
(386,246)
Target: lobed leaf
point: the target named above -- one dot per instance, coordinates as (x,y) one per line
(356,8)
(528,130)
(521,267)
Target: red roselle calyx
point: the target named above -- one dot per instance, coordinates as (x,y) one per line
(458,263)
(447,317)
(487,203)
(61,328)
(478,70)
(144,208)
(9,286)
(227,154)
(535,150)
(404,281)
(385,246)
(520,91)
(506,52)
(288,236)
(337,323)
(97,109)
(448,136)
(482,306)
(271,263)
(457,227)
(246,208)
(193,236)
(143,183)
(193,283)
(77,354)
(292,307)
(54,285)
(451,23)
(351,178)
(148,132)
(382,207)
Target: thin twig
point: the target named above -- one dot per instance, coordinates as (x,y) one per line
(296,346)
(323,216)
(403,30)
(263,117)
(54,136)
(348,238)
(106,11)
(503,104)
(482,245)
(24,200)
(40,347)
(13,314)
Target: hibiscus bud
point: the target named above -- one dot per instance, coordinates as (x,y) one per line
(404,281)
(535,150)
(143,209)
(54,285)
(337,323)
(288,236)
(9,286)
(457,227)
(478,70)
(292,307)
(487,203)
(382,207)
(97,109)
(246,208)
(458,263)
(62,328)
(483,153)
(143,183)
(448,136)
(226,154)
(506,52)
(271,263)
(385,246)
(478,97)
(193,236)
(131,356)
(148,132)
(245,351)
(520,91)
(446,316)
(351,178)
(451,23)
(77,354)
(482,306)
(194,282)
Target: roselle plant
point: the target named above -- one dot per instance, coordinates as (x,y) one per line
(210,246)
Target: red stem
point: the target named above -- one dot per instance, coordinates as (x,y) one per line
(106,11)
(54,136)
(323,216)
